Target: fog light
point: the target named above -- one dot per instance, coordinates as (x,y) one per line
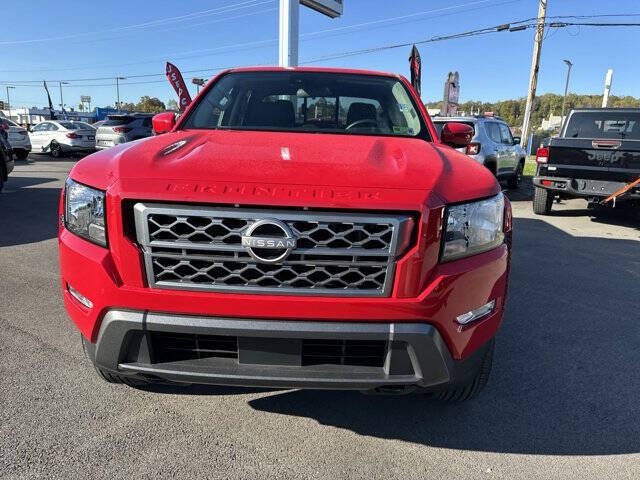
(485,309)
(79,297)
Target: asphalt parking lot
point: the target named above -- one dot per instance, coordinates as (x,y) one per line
(562,401)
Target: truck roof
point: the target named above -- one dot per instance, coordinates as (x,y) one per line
(606,109)
(313,69)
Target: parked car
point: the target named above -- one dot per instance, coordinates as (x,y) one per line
(98,124)
(296,228)
(596,154)
(493,145)
(18,138)
(58,137)
(123,128)
(6,157)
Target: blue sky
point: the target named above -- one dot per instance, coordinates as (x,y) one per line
(99,39)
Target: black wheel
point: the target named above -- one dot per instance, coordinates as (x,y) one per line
(516,178)
(106,375)
(54,148)
(474,386)
(542,201)
(22,154)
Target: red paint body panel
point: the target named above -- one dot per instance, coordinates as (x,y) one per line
(325,171)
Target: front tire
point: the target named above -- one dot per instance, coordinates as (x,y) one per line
(516,178)
(106,375)
(473,387)
(542,201)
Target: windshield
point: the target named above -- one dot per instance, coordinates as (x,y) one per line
(75,125)
(117,120)
(604,124)
(309,102)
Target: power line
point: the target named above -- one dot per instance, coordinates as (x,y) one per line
(153,23)
(520,25)
(382,23)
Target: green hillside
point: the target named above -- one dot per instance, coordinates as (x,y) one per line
(513,110)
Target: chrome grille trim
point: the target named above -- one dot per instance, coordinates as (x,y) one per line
(217,261)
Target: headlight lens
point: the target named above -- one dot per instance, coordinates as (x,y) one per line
(84,212)
(473,227)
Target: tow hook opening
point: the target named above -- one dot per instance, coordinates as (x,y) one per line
(392,390)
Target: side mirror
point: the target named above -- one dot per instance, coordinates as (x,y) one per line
(163,122)
(516,140)
(456,135)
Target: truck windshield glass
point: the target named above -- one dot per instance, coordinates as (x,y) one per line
(309,102)
(605,124)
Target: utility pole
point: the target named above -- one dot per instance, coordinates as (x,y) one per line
(118,91)
(607,88)
(8,101)
(288,33)
(533,79)
(566,88)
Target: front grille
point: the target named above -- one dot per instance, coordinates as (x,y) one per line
(200,248)
(362,353)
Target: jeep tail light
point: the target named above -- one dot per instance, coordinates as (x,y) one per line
(473,149)
(122,129)
(542,155)
(73,135)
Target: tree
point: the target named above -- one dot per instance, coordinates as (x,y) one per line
(172,104)
(549,103)
(150,105)
(128,106)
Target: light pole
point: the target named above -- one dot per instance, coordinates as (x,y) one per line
(8,101)
(61,102)
(118,91)
(566,88)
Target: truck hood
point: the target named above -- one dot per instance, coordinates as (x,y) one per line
(199,157)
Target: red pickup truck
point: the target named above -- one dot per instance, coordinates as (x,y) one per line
(298,228)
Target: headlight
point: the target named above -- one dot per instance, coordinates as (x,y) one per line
(472,228)
(84,212)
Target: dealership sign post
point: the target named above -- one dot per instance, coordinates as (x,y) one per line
(289,21)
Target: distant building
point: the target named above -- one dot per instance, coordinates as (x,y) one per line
(33,115)
(553,123)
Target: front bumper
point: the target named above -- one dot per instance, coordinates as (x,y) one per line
(271,353)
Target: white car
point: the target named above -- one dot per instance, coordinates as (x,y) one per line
(18,138)
(58,137)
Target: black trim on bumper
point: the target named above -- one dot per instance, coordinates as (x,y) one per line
(584,188)
(415,356)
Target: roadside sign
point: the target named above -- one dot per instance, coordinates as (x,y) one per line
(330,8)
(85,98)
